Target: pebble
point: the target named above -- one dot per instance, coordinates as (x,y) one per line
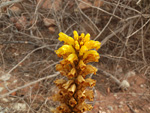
(100,108)
(121,102)
(5,77)
(4,110)
(141,85)
(1,89)
(115,95)
(19,106)
(120,106)
(5,100)
(124,84)
(110,108)
(133,94)
(101,111)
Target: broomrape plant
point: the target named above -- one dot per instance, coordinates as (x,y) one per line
(76,52)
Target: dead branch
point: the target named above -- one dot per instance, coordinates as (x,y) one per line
(29,84)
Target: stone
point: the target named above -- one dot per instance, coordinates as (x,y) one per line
(110,108)
(5,77)
(120,106)
(19,106)
(124,84)
(141,85)
(52,30)
(49,22)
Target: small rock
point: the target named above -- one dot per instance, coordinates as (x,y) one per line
(124,84)
(115,95)
(26,74)
(141,85)
(15,81)
(1,108)
(48,22)
(5,100)
(120,106)
(100,108)
(4,110)
(5,77)
(110,108)
(108,111)
(133,94)
(52,30)
(121,103)
(101,111)
(16,54)
(1,89)
(19,106)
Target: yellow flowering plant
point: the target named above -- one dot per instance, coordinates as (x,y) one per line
(76,53)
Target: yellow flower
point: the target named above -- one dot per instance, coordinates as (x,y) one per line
(72,89)
(80,95)
(60,96)
(77,46)
(91,56)
(87,37)
(82,35)
(76,36)
(89,94)
(72,73)
(81,65)
(88,70)
(65,50)
(81,43)
(67,39)
(82,107)
(92,44)
(67,84)
(72,102)
(80,80)
(71,58)
(83,50)
(59,82)
(90,82)
(64,70)
(63,108)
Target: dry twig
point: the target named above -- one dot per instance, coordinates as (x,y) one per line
(4,4)
(29,84)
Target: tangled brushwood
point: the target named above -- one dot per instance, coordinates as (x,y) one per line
(76,53)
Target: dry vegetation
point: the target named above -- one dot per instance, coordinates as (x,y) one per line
(29,35)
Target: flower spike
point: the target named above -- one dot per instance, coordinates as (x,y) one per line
(76,53)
